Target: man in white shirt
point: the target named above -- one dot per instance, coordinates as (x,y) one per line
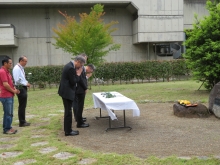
(21,83)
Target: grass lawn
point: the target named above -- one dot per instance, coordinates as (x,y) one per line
(44,111)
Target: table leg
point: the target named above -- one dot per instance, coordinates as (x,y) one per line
(110,127)
(100,115)
(110,122)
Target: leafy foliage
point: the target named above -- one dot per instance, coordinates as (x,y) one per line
(119,71)
(44,75)
(203,46)
(90,35)
(145,70)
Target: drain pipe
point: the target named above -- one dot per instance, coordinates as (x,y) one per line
(148,49)
(48,41)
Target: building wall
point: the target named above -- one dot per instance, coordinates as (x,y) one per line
(158,21)
(190,9)
(34,30)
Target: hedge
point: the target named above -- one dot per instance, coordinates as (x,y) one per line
(115,72)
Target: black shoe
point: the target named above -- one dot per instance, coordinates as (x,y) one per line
(83,120)
(24,124)
(84,125)
(72,133)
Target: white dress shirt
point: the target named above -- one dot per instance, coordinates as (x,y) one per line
(19,75)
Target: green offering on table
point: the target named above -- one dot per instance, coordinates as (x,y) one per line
(107,95)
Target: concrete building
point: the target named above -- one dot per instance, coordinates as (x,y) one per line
(147,29)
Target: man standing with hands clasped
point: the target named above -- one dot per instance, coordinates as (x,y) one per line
(21,83)
(81,90)
(67,88)
(7,91)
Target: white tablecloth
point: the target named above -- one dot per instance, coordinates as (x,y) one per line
(120,102)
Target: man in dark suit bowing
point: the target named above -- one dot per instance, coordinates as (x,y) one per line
(78,103)
(67,88)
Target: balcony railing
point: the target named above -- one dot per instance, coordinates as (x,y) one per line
(7,36)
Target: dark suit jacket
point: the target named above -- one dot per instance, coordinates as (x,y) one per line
(68,82)
(82,84)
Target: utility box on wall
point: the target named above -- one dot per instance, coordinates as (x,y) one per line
(7,35)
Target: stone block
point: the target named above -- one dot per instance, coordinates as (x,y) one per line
(199,111)
(216,107)
(215,93)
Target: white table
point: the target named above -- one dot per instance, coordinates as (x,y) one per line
(120,102)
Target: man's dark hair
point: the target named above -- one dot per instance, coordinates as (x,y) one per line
(92,67)
(5,59)
(80,58)
(84,55)
(21,58)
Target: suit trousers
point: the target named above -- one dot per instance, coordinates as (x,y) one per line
(78,106)
(67,115)
(22,101)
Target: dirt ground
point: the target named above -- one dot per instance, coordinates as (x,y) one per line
(156,132)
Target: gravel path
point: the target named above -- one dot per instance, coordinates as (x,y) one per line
(157,132)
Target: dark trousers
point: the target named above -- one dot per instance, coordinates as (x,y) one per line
(67,115)
(22,101)
(78,106)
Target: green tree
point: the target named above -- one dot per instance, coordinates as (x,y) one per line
(90,35)
(203,46)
